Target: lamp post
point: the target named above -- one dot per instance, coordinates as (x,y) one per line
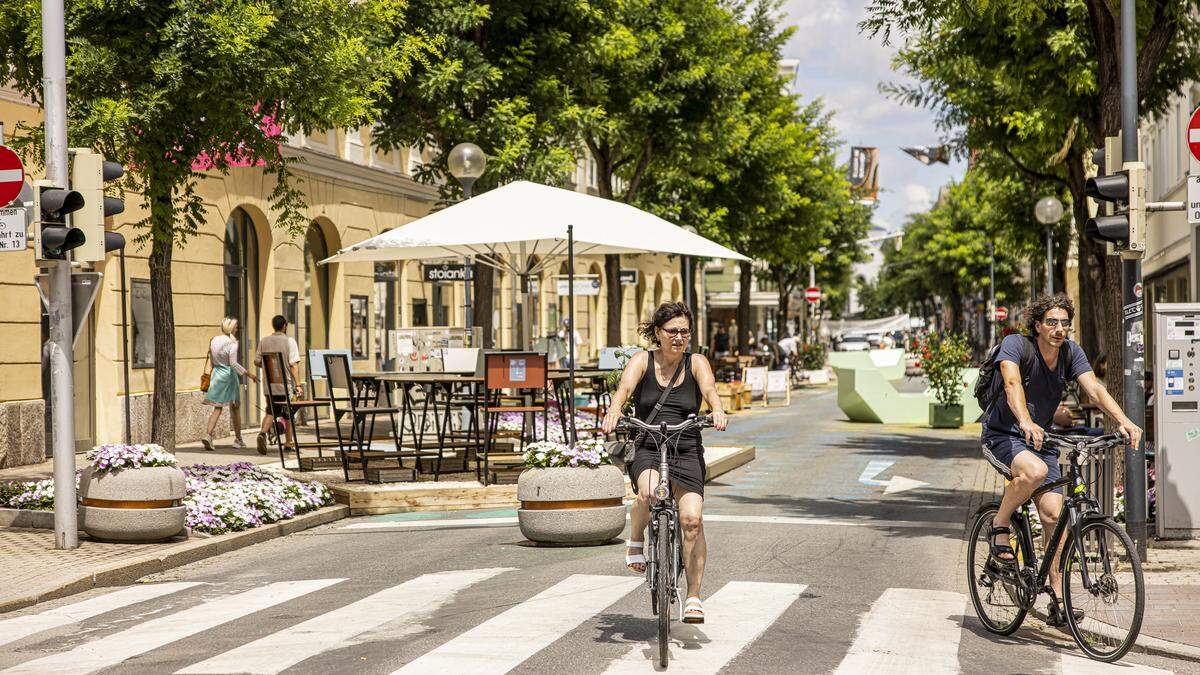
(467,163)
(1048,211)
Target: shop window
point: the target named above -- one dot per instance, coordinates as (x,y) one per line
(290,305)
(420,312)
(143,323)
(358,326)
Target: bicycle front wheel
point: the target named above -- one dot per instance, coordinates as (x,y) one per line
(662,552)
(994,591)
(1115,597)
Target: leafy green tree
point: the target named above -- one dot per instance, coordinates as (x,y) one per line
(170,89)
(1037,83)
(494,86)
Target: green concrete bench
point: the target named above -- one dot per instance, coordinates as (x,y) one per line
(865,395)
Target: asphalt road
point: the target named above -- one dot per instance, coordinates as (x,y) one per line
(810,570)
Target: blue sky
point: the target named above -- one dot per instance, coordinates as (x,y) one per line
(844,68)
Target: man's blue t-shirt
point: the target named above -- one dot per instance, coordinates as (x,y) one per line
(1045,389)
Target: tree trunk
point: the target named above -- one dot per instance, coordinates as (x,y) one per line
(743,310)
(1091,266)
(956,311)
(784,305)
(482,286)
(162,425)
(612,282)
(699,333)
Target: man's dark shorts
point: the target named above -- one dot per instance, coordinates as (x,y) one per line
(1000,451)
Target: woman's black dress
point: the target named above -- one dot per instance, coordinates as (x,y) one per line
(686,461)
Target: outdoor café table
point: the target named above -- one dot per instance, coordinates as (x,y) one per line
(558,380)
(439,391)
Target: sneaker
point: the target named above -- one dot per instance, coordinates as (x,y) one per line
(207,441)
(239,444)
(261,442)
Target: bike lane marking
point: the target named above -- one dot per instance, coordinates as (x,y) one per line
(735,616)
(404,605)
(1078,665)
(908,631)
(145,637)
(20,627)
(506,640)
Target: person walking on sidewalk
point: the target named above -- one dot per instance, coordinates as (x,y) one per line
(1035,370)
(225,386)
(283,344)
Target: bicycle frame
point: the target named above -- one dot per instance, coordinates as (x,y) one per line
(657,506)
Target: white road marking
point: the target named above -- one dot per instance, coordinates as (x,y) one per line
(145,637)
(1079,665)
(410,602)
(890,486)
(20,627)
(708,517)
(908,631)
(734,618)
(504,641)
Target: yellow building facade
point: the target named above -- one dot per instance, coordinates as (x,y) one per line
(241,264)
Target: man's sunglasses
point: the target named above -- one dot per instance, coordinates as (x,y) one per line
(1052,323)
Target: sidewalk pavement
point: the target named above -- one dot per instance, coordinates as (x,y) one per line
(35,571)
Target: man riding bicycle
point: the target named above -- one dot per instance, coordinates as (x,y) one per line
(690,378)
(1035,370)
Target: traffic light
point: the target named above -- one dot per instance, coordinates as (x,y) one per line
(1125,226)
(53,238)
(89,173)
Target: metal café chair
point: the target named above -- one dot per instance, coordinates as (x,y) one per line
(277,381)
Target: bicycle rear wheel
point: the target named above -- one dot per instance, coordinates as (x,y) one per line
(1113,605)
(663,573)
(994,591)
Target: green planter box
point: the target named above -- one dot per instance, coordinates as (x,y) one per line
(945,416)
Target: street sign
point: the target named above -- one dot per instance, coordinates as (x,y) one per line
(585,284)
(12,230)
(812,294)
(1001,313)
(1193,134)
(12,175)
(446,272)
(85,286)
(1193,191)
(629,276)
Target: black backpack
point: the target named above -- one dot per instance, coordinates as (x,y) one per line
(990,383)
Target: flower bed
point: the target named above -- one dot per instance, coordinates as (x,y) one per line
(547,454)
(553,426)
(219,499)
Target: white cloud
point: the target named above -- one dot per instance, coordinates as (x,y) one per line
(917,197)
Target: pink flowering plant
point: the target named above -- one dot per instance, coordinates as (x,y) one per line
(118,456)
(588,453)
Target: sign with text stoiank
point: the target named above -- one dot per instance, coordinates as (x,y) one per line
(12,231)
(12,175)
(446,272)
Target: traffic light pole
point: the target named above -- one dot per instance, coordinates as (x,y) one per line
(59,347)
(1131,283)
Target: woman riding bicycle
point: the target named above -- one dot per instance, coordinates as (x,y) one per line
(669,330)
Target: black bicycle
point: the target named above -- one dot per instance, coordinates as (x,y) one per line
(1104,593)
(664,554)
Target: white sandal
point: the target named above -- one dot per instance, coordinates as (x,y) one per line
(693,610)
(636,558)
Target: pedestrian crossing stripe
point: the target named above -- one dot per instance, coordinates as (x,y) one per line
(904,631)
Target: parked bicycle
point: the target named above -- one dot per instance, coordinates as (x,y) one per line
(1103,590)
(664,555)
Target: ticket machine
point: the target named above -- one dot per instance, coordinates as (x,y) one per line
(1177,419)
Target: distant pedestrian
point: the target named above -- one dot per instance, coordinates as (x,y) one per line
(283,344)
(225,385)
(720,341)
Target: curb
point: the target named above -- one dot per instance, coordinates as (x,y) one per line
(127,571)
(1145,644)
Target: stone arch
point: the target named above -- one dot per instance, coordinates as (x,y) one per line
(323,324)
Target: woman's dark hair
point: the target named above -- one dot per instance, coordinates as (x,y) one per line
(660,317)
(1037,311)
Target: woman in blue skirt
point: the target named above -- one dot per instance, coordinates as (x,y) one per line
(225,385)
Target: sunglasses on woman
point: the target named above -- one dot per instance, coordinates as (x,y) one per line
(677,332)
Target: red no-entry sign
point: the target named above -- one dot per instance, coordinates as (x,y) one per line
(1193,134)
(12,176)
(1001,313)
(812,294)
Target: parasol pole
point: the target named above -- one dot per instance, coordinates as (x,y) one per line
(571,329)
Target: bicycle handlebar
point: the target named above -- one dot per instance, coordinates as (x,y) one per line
(1076,442)
(692,422)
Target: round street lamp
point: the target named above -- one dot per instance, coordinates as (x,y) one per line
(467,162)
(1048,211)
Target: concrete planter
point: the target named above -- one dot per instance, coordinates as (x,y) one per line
(945,416)
(132,505)
(572,506)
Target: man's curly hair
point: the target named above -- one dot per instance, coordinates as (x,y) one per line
(1035,312)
